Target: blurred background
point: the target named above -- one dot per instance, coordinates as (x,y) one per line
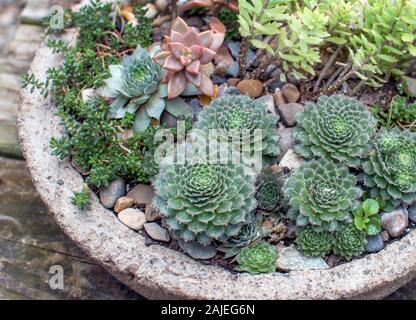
(30,241)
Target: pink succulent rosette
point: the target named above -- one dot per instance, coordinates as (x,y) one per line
(184,52)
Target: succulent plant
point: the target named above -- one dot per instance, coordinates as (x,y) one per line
(314,243)
(239,119)
(136,87)
(258,258)
(349,242)
(322,193)
(184,52)
(249,233)
(204,202)
(336,127)
(390,172)
(269,193)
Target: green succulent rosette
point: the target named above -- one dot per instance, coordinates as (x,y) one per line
(258,258)
(390,172)
(337,128)
(349,242)
(204,202)
(314,243)
(244,123)
(269,192)
(323,194)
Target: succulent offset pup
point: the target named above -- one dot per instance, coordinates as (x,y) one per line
(314,243)
(323,194)
(269,193)
(204,202)
(258,258)
(349,242)
(390,172)
(184,52)
(336,128)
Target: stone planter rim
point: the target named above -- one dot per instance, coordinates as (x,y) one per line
(162,273)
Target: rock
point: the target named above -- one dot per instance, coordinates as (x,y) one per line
(412,213)
(196,106)
(232,90)
(252,88)
(395,222)
(251,58)
(208,69)
(291,231)
(156,232)
(168,120)
(161,4)
(195,22)
(234,47)
(126,134)
(223,57)
(268,100)
(151,213)
(220,70)
(291,92)
(197,251)
(374,243)
(286,140)
(132,218)
(233,69)
(385,236)
(288,112)
(87,94)
(290,259)
(218,80)
(233,81)
(142,194)
(290,160)
(278,97)
(276,85)
(151,11)
(123,203)
(109,195)
(410,86)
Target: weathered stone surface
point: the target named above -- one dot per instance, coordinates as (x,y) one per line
(110,194)
(132,218)
(288,112)
(156,232)
(9,82)
(142,194)
(198,251)
(395,222)
(290,259)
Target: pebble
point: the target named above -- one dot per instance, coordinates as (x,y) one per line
(151,213)
(233,69)
(87,94)
(156,232)
(123,203)
(291,92)
(233,81)
(132,218)
(288,112)
(412,213)
(252,88)
(410,85)
(278,97)
(114,190)
(223,57)
(218,79)
(197,250)
(385,236)
(269,102)
(196,106)
(234,47)
(151,11)
(286,140)
(374,243)
(290,160)
(290,259)
(395,222)
(142,194)
(161,4)
(276,85)
(168,120)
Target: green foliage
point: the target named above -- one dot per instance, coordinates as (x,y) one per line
(337,128)
(82,199)
(390,172)
(322,194)
(349,242)
(366,217)
(236,118)
(269,193)
(401,112)
(314,243)
(203,202)
(256,259)
(230,20)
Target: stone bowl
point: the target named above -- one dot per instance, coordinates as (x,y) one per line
(158,272)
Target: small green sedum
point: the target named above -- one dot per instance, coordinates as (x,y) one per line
(258,258)
(337,128)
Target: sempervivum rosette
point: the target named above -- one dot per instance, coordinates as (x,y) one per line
(258,258)
(314,243)
(242,122)
(269,193)
(336,128)
(204,202)
(322,194)
(349,242)
(184,52)
(390,172)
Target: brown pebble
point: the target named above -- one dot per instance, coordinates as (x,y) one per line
(278,97)
(251,88)
(291,92)
(123,203)
(233,81)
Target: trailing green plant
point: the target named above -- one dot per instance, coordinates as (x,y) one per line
(204,202)
(401,112)
(242,122)
(336,127)
(366,217)
(269,192)
(390,172)
(258,258)
(323,194)
(248,234)
(349,242)
(314,243)
(82,198)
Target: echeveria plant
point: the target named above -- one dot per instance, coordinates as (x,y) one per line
(258,258)
(184,52)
